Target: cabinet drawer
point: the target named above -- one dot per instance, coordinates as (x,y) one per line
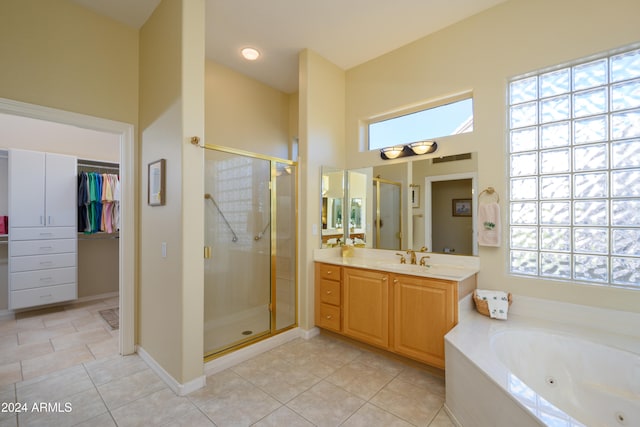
(41,262)
(329,271)
(329,317)
(39,296)
(330,291)
(40,278)
(42,247)
(38,233)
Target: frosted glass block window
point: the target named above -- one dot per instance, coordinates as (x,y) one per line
(574,172)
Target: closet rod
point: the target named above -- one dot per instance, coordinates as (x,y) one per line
(114,168)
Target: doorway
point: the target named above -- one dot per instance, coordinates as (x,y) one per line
(447,229)
(126,242)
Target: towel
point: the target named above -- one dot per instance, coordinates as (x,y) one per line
(489,229)
(498,302)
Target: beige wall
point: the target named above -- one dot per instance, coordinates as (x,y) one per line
(245,114)
(58,54)
(171,110)
(480,54)
(321,115)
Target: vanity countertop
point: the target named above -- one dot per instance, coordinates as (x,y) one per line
(439,266)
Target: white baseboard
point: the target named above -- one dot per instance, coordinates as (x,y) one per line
(309,333)
(246,353)
(178,388)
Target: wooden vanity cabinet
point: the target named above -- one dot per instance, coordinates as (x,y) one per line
(366,306)
(328,296)
(404,314)
(424,310)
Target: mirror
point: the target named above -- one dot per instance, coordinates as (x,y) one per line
(359,206)
(333,193)
(420,203)
(389,183)
(444,208)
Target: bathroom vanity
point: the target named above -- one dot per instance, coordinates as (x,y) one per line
(403,308)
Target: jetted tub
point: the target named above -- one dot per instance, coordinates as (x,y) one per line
(528,371)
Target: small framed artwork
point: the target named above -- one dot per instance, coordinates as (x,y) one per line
(415,196)
(156,183)
(461,207)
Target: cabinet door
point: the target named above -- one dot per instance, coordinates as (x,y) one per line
(26,188)
(61,190)
(423,312)
(366,306)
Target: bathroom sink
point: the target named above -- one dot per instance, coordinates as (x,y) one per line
(434,270)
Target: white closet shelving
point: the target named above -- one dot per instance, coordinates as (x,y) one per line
(42,228)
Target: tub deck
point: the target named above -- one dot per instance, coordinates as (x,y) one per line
(481,391)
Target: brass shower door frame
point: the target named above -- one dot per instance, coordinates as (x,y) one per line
(377,181)
(273,161)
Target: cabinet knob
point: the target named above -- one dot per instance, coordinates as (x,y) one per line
(328,271)
(395,280)
(384,278)
(329,317)
(328,292)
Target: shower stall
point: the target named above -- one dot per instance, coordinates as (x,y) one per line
(250,248)
(387,205)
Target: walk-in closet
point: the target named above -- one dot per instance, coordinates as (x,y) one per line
(59,213)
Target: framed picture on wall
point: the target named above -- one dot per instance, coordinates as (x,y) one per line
(461,207)
(156,183)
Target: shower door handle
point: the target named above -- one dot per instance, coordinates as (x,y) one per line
(207,252)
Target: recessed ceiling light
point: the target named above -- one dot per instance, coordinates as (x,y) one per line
(250,54)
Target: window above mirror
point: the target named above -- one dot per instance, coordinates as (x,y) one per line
(450,117)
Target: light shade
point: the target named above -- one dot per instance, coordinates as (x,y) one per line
(250,53)
(392,152)
(423,147)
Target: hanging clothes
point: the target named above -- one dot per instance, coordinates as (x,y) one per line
(98,202)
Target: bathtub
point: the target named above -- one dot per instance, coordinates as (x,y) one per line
(559,368)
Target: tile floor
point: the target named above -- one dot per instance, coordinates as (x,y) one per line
(55,358)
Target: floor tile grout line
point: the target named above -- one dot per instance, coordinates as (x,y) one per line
(84,366)
(199,409)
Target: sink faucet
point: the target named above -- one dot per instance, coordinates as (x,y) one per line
(412,254)
(423,262)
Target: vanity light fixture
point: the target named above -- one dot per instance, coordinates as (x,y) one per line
(392,152)
(412,149)
(250,53)
(422,147)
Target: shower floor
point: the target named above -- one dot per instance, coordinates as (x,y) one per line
(223,332)
(236,328)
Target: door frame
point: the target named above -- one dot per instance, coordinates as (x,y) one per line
(127,242)
(428,231)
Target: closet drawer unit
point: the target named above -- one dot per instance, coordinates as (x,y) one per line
(42,247)
(40,278)
(330,291)
(42,233)
(329,271)
(41,262)
(45,295)
(329,317)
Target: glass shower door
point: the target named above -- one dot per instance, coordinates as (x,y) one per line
(387,199)
(238,241)
(285,246)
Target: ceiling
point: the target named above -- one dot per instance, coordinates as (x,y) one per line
(345,32)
